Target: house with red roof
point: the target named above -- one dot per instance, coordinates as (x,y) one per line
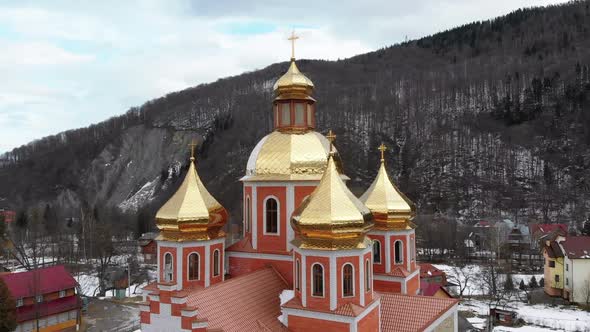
(9,216)
(433,275)
(312,256)
(539,231)
(576,252)
(45,299)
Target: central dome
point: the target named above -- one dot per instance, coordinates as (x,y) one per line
(289,156)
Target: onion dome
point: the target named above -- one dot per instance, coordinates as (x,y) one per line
(331,218)
(293,84)
(192,213)
(282,156)
(390,207)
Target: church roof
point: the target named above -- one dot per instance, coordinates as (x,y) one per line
(293,84)
(411,313)
(246,303)
(192,213)
(390,207)
(331,217)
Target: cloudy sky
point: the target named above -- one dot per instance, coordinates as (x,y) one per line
(67,64)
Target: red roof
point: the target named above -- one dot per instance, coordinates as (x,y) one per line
(245,245)
(428,270)
(246,303)
(411,313)
(40,281)
(429,289)
(47,308)
(9,216)
(546,228)
(577,246)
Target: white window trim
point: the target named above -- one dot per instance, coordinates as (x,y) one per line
(353,281)
(20,302)
(323,281)
(297,275)
(188,268)
(218,272)
(401,252)
(373,251)
(248,214)
(39,298)
(166,271)
(368,276)
(278,233)
(62,293)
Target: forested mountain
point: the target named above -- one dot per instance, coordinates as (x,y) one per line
(485,120)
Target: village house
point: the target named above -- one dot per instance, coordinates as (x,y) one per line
(567,267)
(148,247)
(46,299)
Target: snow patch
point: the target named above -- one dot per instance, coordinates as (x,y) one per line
(143,195)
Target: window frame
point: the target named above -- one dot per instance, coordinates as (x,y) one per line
(551,263)
(368,276)
(343,276)
(401,252)
(20,302)
(216,263)
(378,243)
(302,113)
(188,266)
(265,216)
(62,293)
(168,270)
(313,280)
(39,298)
(285,115)
(248,214)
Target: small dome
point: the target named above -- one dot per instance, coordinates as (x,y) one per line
(192,213)
(289,156)
(390,207)
(293,84)
(331,218)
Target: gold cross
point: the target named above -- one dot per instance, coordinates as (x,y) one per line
(382,148)
(193,145)
(293,38)
(331,137)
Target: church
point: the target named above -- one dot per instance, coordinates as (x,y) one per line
(312,255)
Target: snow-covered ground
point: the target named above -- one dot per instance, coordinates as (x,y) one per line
(563,318)
(471,276)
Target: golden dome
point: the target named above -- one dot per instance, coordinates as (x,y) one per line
(331,218)
(390,207)
(293,84)
(192,213)
(289,156)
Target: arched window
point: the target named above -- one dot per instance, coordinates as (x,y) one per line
(193,266)
(216,264)
(368,276)
(271,215)
(376,252)
(297,274)
(317,280)
(248,214)
(398,254)
(168,267)
(347,280)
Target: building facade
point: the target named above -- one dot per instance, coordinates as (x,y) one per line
(306,259)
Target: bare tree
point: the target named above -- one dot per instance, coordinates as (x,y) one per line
(463,276)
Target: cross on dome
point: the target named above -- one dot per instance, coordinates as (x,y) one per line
(193,145)
(293,38)
(331,137)
(382,148)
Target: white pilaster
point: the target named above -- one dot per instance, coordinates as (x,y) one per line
(387,253)
(362,280)
(207,265)
(408,257)
(254,220)
(158,260)
(290,206)
(179,272)
(304,285)
(333,283)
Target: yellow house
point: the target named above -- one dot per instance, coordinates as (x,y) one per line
(553,267)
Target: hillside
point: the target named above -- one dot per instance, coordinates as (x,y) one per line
(485,120)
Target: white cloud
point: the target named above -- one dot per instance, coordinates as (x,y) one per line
(66,64)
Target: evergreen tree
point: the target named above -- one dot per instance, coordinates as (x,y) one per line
(533,283)
(542,282)
(7,309)
(2,228)
(522,286)
(509,284)
(22,220)
(586,228)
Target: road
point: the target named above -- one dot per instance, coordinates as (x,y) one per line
(104,315)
